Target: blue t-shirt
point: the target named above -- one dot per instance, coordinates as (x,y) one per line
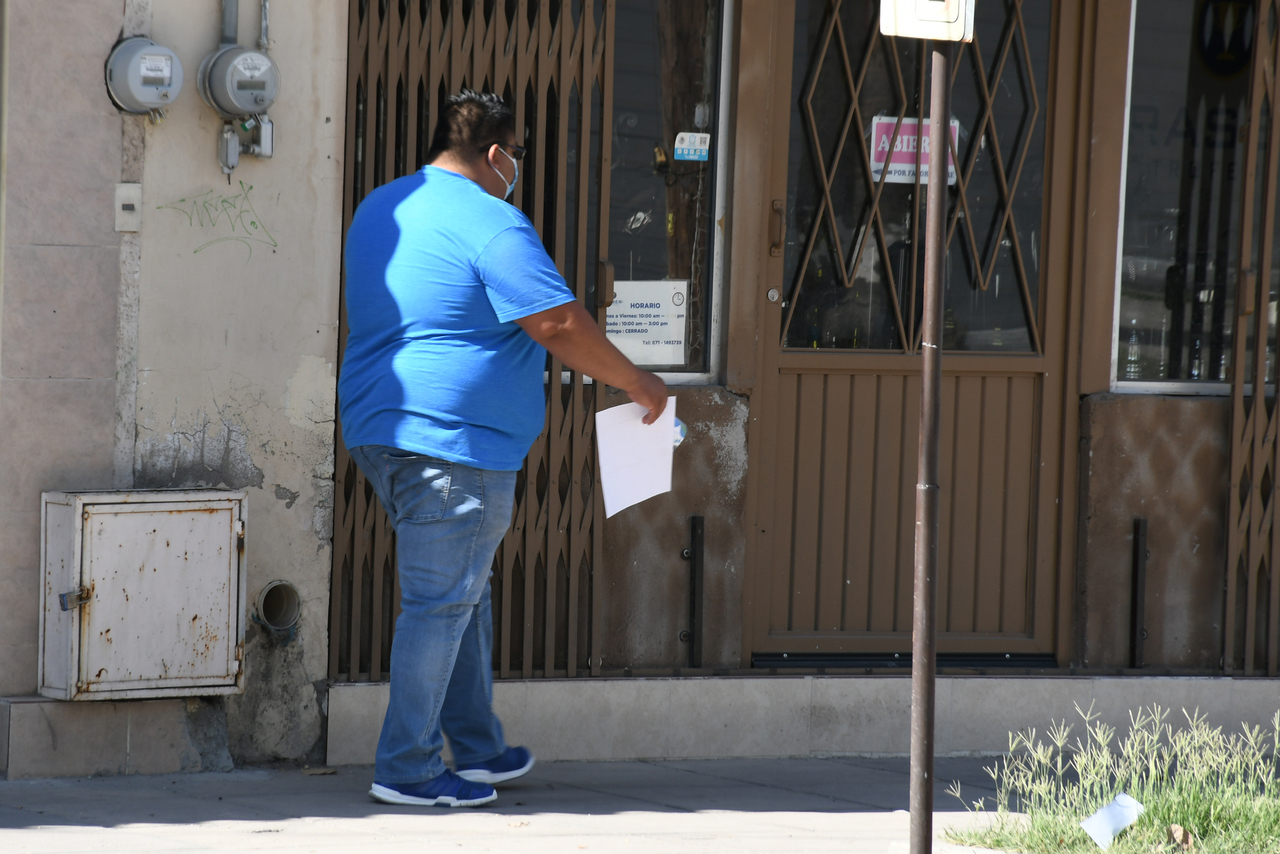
(437,271)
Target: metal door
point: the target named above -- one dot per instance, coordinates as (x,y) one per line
(552,61)
(836,408)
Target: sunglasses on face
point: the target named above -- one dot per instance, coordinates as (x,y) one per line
(517,151)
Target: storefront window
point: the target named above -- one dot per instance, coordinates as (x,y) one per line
(662,180)
(1188,108)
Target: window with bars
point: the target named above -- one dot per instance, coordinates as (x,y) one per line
(854,250)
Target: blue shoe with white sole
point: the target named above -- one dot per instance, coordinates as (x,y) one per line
(514,762)
(447,790)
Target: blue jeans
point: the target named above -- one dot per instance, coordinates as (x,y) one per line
(449,519)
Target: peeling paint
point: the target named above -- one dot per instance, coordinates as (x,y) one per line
(311,395)
(730,441)
(322,513)
(288,496)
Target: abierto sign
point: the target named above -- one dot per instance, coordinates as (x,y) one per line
(911,149)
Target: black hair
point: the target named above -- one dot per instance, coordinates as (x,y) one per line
(469,123)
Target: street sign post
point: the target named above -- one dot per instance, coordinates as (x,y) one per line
(944,22)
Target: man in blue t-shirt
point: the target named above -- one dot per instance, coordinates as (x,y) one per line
(452,303)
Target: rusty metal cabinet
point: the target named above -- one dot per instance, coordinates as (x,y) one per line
(143,594)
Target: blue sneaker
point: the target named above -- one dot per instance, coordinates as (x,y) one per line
(514,762)
(447,790)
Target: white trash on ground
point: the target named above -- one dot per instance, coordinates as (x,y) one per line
(1105,825)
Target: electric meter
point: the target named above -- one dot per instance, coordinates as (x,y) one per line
(238,82)
(142,76)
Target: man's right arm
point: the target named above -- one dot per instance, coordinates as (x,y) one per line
(572,335)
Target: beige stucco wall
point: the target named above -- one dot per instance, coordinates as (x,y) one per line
(237,333)
(60,283)
(200,352)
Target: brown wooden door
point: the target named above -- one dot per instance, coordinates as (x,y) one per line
(835,407)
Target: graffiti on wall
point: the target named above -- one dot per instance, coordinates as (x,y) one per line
(229,216)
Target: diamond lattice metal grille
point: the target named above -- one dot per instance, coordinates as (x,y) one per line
(552,61)
(856,212)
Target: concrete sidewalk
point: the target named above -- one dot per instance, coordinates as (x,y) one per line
(730,805)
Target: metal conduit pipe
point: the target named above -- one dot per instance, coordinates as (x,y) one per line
(263,42)
(230,20)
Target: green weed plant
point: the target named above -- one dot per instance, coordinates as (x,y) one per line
(1222,788)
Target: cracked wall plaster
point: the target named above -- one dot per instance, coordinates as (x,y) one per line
(199,455)
(311,395)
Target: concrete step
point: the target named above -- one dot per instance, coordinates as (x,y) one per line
(780,716)
(40,737)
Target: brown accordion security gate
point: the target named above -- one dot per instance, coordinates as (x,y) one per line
(1251,626)
(552,61)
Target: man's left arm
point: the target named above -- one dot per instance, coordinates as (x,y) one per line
(572,335)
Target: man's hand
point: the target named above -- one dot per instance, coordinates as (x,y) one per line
(573,337)
(651,393)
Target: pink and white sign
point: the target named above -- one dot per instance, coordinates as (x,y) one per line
(909,145)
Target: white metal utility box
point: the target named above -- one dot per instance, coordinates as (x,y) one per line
(142,594)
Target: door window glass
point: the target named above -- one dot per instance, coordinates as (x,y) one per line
(856,187)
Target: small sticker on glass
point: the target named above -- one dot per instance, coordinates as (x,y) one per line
(156,69)
(693,146)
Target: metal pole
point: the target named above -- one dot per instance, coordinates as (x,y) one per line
(924,634)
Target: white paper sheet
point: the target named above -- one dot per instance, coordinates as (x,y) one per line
(635,458)
(1105,825)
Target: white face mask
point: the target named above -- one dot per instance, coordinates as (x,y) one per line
(510,187)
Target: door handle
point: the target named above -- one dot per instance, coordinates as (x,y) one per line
(780,208)
(604,284)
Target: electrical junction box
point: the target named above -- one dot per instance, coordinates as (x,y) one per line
(143,594)
(143,76)
(938,20)
(128,207)
(238,82)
